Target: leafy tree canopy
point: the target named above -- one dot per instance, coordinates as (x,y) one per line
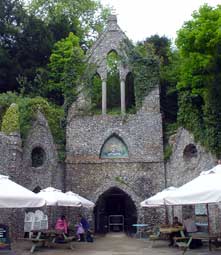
(199,45)
(66,67)
(85,18)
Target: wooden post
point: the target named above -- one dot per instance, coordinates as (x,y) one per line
(207,210)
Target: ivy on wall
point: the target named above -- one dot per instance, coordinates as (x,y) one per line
(26,112)
(144,65)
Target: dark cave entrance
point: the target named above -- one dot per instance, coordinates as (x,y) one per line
(115,212)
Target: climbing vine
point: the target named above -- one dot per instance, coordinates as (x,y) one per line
(27,108)
(144,66)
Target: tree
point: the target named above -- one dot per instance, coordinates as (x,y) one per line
(25,44)
(169,66)
(85,18)
(199,44)
(11,13)
(66,67)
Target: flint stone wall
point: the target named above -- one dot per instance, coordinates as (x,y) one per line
(140,175)
(50,173)
(16,162)
(180,170)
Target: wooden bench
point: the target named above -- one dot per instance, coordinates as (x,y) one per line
(183,242)
(67,241)
(35,242)
(49,241)
(155,236)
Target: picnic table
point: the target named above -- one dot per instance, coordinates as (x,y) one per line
(49,238)
(206,237)
(169,230)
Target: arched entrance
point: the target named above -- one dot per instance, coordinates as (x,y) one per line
(115,211)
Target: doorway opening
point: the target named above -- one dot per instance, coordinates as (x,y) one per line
(115,212)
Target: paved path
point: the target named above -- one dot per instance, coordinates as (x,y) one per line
(113,244)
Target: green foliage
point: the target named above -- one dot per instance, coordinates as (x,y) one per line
(10,122)
(65,68)
(168,149)
(28,107)
(113,82)
(96,93)
(28,31)
(169,71)
(85,18)
(120,180)
(200,77)
(25,43)
(144,66)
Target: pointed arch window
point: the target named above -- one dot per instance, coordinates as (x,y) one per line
(114,147)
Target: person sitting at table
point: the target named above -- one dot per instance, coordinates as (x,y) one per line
(175,224)
(189,225)
(189,228)
(62,225)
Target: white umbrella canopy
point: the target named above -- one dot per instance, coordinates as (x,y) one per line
(158,199)
(54,197)
(13,195)
(204,189)
(83,201)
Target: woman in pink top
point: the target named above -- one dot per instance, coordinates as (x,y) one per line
(62,225)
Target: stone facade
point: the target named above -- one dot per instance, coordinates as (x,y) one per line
(183,168)
(135,177)
(50,172)
(16,162)
(139,175)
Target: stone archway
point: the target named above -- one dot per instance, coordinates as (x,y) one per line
(111,207)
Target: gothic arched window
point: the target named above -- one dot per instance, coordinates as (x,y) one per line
(113,82)
(96,95)
(114,147)
(129,92)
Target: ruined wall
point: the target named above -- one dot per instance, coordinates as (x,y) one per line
(140,175)
(10,154)
(10,165)
(16,162)
(50,173)
(183,168)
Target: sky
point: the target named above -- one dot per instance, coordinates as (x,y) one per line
(140,19)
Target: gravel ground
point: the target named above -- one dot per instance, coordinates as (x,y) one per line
(111,244)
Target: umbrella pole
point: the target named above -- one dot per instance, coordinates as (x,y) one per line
(207,209)
(166,215)
(172,211)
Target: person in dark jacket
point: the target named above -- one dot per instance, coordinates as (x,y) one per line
(86,227)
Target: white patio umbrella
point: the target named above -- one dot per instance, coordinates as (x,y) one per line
(13,195)
(83,201)
(55,197)
(158,199)
(204,189)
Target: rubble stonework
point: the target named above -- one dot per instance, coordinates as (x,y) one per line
(138,176)
(142,173)
(180,169)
